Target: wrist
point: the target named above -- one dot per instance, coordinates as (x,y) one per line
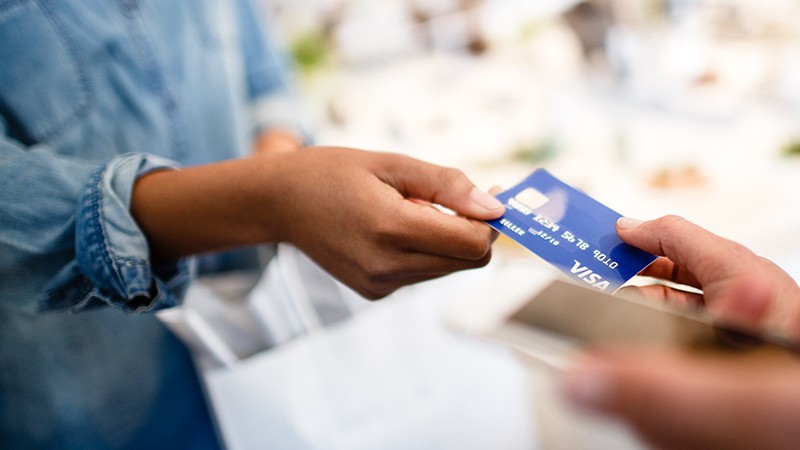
(265,197)
(209,208)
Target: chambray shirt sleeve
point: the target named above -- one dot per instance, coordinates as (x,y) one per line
(68,240)
(274,101)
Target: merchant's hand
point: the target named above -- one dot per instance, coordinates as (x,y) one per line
(738,286)
(676,399)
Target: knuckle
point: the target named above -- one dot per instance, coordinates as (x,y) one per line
(451,176)
(481,241)
(376,270)
(376,289)
(374,294)
(470,243)
(372,284)
(487,257)
(380,274)
(671,223)
(669,229)
(478,247)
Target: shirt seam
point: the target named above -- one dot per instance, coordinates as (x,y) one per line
(82,108)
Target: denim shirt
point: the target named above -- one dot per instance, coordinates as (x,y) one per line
(94,94)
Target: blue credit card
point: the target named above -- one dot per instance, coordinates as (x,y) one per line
(570,230)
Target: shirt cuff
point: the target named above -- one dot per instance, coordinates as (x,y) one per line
(112,251)
(280,111)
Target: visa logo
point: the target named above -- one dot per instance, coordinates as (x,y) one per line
(588,276)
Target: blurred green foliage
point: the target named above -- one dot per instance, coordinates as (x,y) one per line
(535,153)
(791,149)
(311,51)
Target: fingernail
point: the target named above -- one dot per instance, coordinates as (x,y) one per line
(587,387)
(626,223)
(485,200)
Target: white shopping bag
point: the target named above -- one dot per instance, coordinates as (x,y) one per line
(391,376)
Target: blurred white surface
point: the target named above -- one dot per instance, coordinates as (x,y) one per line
(392,377)
(708,88)
(412,371)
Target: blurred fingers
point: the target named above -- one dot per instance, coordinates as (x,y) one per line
(680,400)
(746,302)
(663,268)
(659,292)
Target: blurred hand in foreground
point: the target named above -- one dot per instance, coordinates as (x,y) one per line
(680,399)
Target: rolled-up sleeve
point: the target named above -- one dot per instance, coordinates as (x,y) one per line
(68,240)
(112,250)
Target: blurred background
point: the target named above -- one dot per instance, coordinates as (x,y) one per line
(652,106)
